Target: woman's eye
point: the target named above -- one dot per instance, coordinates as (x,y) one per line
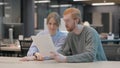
(49,23)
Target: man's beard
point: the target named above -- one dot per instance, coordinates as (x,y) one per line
(70,29)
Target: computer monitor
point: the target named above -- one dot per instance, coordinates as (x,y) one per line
(119,28)
(17,30)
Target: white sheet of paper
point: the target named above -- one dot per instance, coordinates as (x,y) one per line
(44,43)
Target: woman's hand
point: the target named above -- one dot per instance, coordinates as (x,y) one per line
(28,58)
(39,57)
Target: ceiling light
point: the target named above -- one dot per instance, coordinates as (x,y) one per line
(65,5)
(45,1)
(104,3)
(80,0)
(1,3)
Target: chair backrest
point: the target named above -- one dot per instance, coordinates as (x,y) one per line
(112,51)
(25,45)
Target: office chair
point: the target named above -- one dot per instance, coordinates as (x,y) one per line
(25,45)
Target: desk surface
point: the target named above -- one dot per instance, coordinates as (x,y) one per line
(6,62)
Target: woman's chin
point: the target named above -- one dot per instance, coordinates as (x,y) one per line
(52,33)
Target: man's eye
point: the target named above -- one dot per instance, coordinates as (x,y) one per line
(49,23)
(55,23)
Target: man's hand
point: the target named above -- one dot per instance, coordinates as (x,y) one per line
(28,58)
(58,57)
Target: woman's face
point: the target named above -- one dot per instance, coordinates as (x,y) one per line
(52,26)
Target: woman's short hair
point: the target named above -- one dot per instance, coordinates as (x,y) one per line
(55,16)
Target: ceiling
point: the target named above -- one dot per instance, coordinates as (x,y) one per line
(97,1)
(85,2)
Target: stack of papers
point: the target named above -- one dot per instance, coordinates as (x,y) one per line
(44,43)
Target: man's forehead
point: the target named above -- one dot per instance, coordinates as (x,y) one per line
(66,16)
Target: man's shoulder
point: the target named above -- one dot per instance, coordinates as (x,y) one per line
(89,29)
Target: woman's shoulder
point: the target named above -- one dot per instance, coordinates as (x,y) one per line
(62,33)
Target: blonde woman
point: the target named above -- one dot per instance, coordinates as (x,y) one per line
(58,38)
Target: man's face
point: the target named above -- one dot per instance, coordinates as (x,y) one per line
(69,22)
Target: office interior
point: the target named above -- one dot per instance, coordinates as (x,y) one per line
(20,19)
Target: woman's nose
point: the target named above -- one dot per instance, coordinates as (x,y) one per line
(52,26)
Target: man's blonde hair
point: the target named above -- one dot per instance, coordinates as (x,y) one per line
(74,12)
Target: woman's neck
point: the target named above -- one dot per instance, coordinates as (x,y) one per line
(53,34)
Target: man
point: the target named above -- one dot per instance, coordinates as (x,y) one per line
(82,43)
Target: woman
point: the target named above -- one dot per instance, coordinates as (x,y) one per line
(58,38)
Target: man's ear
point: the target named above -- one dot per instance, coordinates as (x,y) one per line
(76,21)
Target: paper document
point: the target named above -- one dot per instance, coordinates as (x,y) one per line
(44,43)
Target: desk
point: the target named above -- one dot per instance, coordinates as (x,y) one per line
(113,41)
(8,62)
(10,51)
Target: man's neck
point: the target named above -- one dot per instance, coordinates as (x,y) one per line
(78,29)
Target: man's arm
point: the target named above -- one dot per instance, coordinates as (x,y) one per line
(89,53)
